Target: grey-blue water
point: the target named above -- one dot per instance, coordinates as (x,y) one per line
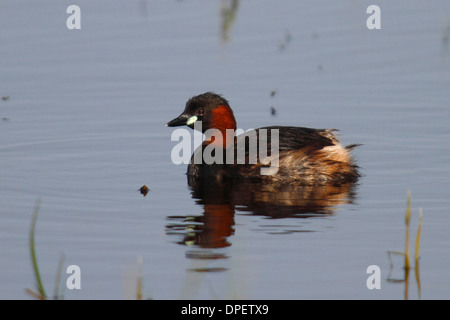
(84,128)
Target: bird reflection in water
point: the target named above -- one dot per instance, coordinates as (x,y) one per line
(222,199)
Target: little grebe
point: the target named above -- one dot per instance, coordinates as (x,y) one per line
(303,156)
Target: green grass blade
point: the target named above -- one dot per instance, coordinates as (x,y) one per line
(37,274)
(418,235)
(139,284)
(408,210)
(416,268)
(407,222)
(56,294)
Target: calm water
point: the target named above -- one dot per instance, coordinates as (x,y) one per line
(83,130)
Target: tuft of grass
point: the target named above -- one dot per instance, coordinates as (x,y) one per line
(40,293)
(407,266)
(40,290)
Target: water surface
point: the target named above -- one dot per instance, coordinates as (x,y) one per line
(83,130)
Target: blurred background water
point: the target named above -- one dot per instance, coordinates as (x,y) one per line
(82,129)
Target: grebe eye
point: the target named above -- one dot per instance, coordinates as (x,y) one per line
(200,111)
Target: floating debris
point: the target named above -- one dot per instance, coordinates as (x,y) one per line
(228,12)
(446,39)
(273,111)
(286,41)
(144,190)
(287,37)
(207,269)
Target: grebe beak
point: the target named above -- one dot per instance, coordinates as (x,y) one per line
(179,121)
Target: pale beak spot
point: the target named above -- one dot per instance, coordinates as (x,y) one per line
(191,120)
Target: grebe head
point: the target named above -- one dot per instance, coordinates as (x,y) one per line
(211,109)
